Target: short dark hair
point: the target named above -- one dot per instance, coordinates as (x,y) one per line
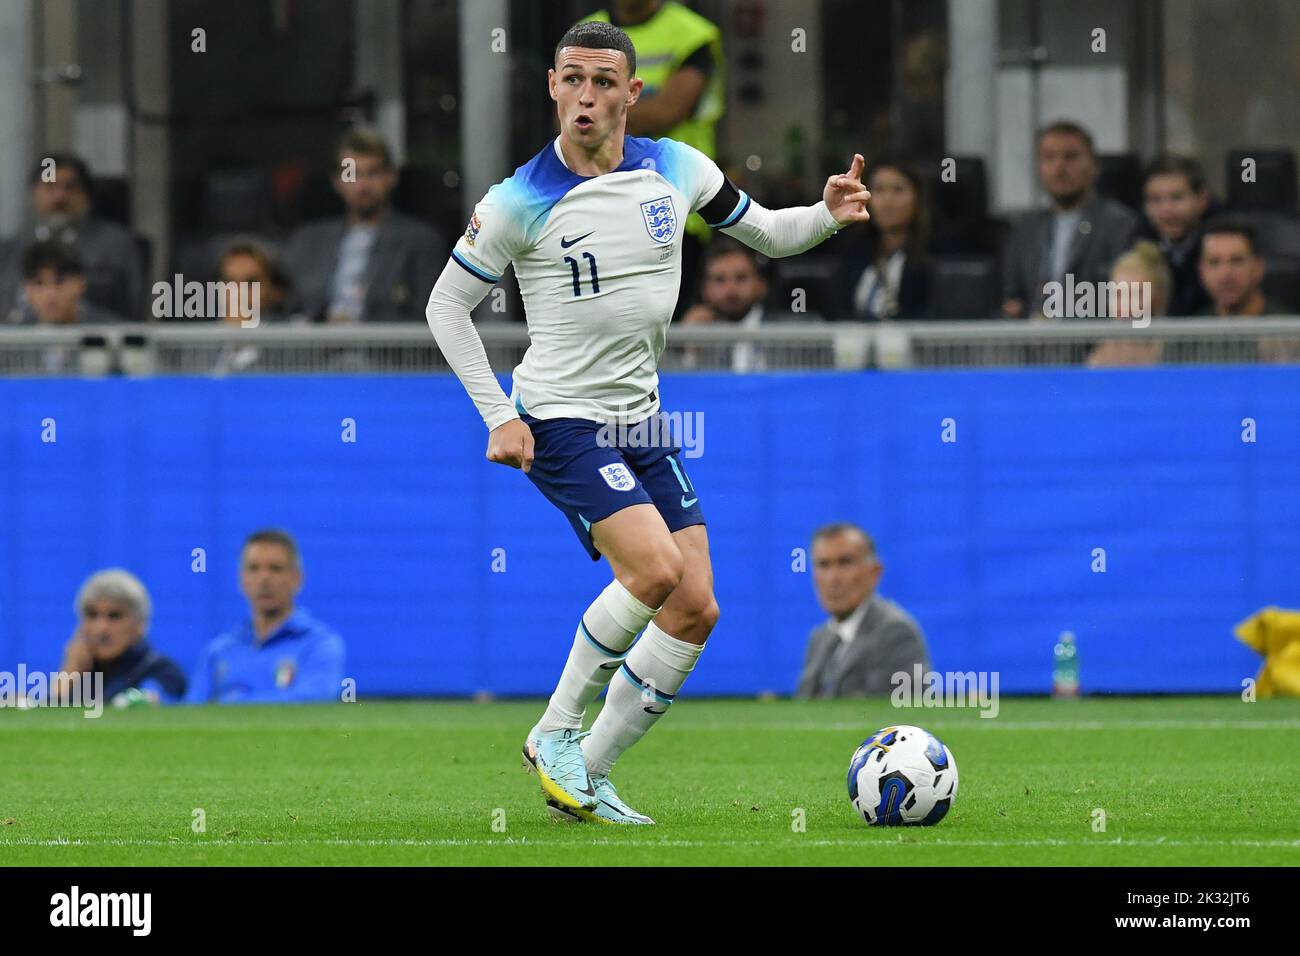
(1067,128)
(363,141)
(599,35)
(722,245)
(275,536)
(837,528)
(1171,164)
(51,254)
(1226,226)
(69,160)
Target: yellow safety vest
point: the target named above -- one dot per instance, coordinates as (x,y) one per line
(662,44)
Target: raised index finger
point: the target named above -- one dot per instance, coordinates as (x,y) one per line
(855,167)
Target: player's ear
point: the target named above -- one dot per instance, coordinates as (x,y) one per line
(550,82)
(634,90)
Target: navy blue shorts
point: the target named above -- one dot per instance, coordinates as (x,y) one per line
(589,481)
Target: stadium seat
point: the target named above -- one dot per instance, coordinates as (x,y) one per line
(112,199)
(1282,281)
(236,200)
(809,272)
(965,287)
(1274,188)
(1278,233)
(1120,178)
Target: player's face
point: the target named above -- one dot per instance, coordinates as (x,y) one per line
(1173,207)
(893,200)
(1230,272)
(54,298)
(592,91)
(844,572)
(109,627)
(268,578)
(732,285)
(1065,167)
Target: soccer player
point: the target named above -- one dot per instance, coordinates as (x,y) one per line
(593,225)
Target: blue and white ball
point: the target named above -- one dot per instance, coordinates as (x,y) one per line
(902,776)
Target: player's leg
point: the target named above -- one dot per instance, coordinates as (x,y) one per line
(648,562)
(660,662)
(647,566)
(598,492)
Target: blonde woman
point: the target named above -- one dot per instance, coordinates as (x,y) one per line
(1150,284)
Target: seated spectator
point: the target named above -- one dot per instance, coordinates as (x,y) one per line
(114,609)
(61,212)
(1082,234)
(371,264)
(733,290)
(1176,199)
(887,274)
(247,265)
(54,288)
(280,653)
(1146,281)
(1232,271)
(868,638)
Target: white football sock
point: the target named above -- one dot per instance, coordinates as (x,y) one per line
(606,631)
(648,681)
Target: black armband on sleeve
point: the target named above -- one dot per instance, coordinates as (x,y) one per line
(722,209)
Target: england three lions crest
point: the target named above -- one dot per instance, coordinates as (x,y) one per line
(660,218)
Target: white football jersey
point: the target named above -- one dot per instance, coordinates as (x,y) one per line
(598,259)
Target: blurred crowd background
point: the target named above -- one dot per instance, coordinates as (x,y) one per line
(1009,143)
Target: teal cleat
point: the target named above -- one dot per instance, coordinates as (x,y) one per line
(610,809)
(556,758)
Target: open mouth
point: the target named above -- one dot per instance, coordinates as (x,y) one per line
(583,121)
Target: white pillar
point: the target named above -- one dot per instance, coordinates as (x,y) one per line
(971,114)
(485,96)
(17,149)
(379,68)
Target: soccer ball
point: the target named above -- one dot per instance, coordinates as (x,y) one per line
(902,776)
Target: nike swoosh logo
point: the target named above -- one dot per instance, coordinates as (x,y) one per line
(687,504)
(611,667)
(565,243)
(589,790)
(651,710)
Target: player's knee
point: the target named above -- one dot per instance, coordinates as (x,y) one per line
(710,614)
(657,575)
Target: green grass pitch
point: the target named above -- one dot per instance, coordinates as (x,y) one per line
(1190,781)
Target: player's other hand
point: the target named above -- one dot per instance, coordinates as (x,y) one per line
(511,443)
(845,196)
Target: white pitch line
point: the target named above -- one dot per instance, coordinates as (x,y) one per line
(866,842)
(993,723)
(936,714)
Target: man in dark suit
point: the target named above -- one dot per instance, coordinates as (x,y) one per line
(371,264)
(1178,204)
(868,639)
(1082,234)
(62,212)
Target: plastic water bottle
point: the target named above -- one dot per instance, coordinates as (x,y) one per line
(1065,667)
